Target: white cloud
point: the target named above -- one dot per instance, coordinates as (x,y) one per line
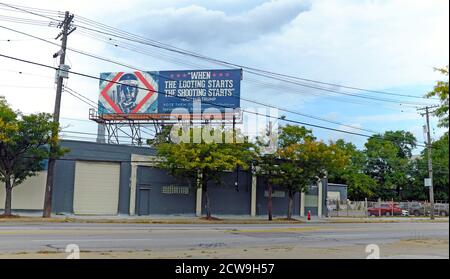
(374,44)
(198,26)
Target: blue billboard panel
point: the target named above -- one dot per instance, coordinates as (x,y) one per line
(218,89)
(162,92)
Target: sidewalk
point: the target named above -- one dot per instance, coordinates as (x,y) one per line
(219,219)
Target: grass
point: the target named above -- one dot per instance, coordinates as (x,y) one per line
(204,220)
(3,216)
(201,220)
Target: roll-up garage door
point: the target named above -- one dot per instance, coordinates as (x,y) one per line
(96,188)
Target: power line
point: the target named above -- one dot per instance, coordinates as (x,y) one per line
(132,67)
(135,68)
(185,98)
(269,74)
(158,56)
(93,104)
(27,10)
(265,73)
(25,20)
(249,70)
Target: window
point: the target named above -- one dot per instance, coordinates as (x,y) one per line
(175,190)
(275,194)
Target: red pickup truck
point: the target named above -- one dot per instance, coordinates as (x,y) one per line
(386,209)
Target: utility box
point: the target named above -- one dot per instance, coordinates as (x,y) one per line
(62,72)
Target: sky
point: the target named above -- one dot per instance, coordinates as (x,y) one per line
(390,46)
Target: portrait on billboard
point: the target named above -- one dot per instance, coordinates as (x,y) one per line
(128,93)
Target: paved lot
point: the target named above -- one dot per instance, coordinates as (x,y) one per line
(320,240)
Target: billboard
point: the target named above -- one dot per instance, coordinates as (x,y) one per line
(136,94)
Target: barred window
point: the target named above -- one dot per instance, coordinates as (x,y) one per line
(175,190)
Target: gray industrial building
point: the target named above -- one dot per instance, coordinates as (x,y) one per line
(107,179)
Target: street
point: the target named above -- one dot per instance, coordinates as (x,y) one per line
(314,240)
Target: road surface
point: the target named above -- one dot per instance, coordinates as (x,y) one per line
(327,240)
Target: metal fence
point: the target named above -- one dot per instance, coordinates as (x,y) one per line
(338,208)
(348,208)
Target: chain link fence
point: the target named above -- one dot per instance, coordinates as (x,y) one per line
(348,208)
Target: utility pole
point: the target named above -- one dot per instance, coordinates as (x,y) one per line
(430,161)
(61,73)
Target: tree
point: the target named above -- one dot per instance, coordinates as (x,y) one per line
(440,90)
(360,185)
(265,166)
(23,147)
(388,158)
(440,157)
(205,161)
(419,172)
(404,141)
(301,161)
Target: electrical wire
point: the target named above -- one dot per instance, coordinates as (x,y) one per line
(217,105)
(269,74)
(178,61)
(265,73)
(136,68)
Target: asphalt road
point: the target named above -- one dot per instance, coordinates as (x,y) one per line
(29,237)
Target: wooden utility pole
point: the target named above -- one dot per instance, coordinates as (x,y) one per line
(61,74)
(430,161)
(430,164)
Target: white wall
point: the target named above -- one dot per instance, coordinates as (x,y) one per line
(29,195)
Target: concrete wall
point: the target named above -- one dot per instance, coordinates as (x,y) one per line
(88,151)
(156,185)
(279,203)
(27,196)
(225,200)
(341,188)
(62,200)
(311,200)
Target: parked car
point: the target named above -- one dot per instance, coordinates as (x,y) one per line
(405,208)
(405,212)
(385,209)
(418,209)
(441,209)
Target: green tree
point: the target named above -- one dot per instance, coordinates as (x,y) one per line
(440,157)
(302,160)
(360,185)
(205,161)
(440,90)
(404,141)
(419,172)
(266,163)
(388,160)
(23,142)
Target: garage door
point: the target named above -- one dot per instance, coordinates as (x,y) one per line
(96,188)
